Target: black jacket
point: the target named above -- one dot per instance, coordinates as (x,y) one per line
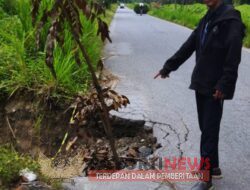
(217,60)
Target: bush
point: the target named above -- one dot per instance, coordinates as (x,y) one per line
(11,163)
(137,9)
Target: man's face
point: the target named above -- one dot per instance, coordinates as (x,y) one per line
(212,3)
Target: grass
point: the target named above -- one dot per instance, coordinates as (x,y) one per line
(21,67)
(189,15)
(12,162)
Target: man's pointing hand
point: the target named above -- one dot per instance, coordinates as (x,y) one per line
(163,76)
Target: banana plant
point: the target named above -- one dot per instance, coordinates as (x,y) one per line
(69,12)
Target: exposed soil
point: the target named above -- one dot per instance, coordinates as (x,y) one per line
(37,126)
(30,124)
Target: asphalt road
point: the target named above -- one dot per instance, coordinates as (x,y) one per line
(141,44)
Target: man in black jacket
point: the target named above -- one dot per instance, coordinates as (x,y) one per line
(217,41)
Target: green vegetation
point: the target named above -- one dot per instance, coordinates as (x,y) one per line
(189,15)
(110,13)
(130,5)
(11,163)
(245,13)
(23,67)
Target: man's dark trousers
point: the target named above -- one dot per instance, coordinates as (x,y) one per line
(209,116)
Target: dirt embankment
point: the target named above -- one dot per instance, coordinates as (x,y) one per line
(31,123)
(38,126)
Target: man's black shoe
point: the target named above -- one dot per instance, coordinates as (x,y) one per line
(203,186)
(216,173)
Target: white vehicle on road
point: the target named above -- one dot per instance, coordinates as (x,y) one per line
(122,6)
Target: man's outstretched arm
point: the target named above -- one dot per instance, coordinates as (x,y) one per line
(179,57)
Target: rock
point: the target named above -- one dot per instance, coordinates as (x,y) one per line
(99,141)
(123,149)
(148,129)
(134,146)
(132,152)
(158,145)
(145,151)
(142,140)
(153,140)
(102,152)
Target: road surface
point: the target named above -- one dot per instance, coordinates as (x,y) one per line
(141,44)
